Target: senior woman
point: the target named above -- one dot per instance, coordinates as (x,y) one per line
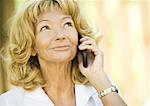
(45,65)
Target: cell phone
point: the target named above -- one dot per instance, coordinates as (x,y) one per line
(84,53)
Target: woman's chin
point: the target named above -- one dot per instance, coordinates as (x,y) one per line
(63,59)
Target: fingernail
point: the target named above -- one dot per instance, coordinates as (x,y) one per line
(80,46)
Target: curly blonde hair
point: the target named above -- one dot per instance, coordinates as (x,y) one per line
(24,69)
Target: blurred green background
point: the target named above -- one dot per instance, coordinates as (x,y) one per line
(125,26)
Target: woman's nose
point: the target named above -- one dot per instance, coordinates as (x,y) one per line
(61,38)
(60,35)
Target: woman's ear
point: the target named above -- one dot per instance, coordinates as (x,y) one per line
(33,52)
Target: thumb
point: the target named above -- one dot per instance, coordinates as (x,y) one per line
(80,64)
(80,61)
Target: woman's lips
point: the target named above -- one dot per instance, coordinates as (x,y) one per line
(61,48)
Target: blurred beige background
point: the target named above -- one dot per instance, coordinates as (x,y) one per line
(125,26)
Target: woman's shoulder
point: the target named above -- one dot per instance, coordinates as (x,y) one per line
(11,95)
(20,97)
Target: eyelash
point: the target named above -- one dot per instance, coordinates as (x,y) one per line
(47,27)
(69,23)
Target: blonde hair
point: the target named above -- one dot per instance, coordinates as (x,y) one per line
(24,69)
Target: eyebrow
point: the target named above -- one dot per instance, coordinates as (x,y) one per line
(65,17)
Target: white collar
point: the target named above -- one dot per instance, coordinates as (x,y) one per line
(82,93)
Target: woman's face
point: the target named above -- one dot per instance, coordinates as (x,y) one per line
(56,36)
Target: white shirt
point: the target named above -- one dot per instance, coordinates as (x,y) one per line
(85,96)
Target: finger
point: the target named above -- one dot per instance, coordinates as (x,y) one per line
(80,58)
(88,42)
(86,38)
(89,48)
(80,61)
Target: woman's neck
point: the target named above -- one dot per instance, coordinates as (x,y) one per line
(58,80)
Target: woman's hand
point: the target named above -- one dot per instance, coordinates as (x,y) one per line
(94,72)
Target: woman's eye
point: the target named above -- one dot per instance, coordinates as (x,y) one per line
(68,24)
(44,28)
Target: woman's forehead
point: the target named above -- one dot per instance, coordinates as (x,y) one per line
(52,14)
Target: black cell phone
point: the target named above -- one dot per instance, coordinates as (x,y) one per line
(84,53)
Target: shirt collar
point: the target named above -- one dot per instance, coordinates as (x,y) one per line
(37,97)
(82,93)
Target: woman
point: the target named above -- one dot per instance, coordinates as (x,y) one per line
(45,60)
